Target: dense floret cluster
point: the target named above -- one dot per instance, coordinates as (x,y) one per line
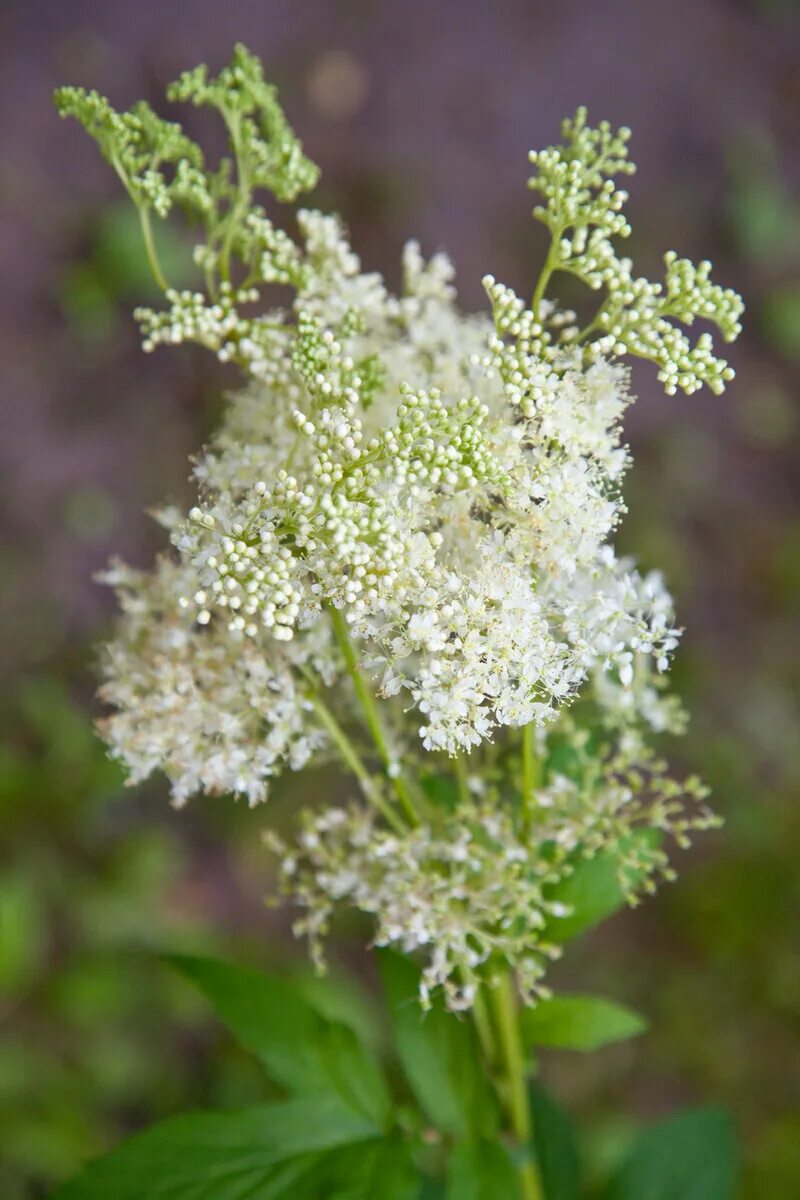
(411,509)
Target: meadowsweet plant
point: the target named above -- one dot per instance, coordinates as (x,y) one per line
(401,562)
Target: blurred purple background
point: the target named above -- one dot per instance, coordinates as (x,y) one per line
(421,115)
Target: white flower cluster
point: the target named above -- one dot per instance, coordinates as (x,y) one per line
(414,507)
(469,892)
(215,715)
(457,509)
(476,889)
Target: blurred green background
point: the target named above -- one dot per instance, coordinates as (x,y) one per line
(420,114)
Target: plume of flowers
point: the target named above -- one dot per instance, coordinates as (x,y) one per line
(401,554)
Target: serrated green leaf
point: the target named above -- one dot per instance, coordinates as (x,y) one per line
(227,1155)
(482,1170)
(439,1056)
(301,1050)
(556,1148)
(691,1156)
(579,1023)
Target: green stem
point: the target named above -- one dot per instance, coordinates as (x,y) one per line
(530,767)
(483,1026)
(550,264)
(587,329)
(150,247)
(146,227)
(507,1018)
(462,778)
(242,201)
(371,717)
(295,446)
(208,269)
(352,759)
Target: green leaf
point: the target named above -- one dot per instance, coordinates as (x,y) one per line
(354,1073)
(579,1023)
(691,1156)
(431,1189)
(482,1170)
(226,1156)
(439,1055)
(302,1051)
(383,1169)
(342,1001)
(442,790)
(592,892)
(556,1148)
(266,1016)
(117,258)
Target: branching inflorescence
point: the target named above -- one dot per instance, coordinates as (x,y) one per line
(401,553)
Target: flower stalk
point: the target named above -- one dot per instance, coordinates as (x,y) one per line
(531,770)
(550,264)
(371,716)
(515,1089)
(353,761)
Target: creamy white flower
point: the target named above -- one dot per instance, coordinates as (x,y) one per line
(217,714)
(418,506)
(456,506)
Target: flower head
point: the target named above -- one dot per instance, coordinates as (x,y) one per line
(414,506)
